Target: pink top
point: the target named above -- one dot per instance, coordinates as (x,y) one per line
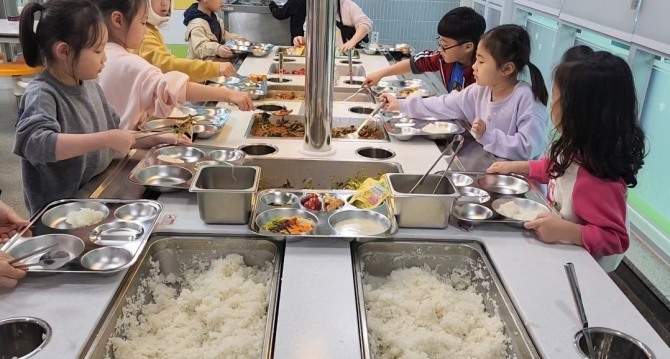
(597,204)
(136,88)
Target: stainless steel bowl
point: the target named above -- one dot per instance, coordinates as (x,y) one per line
(524,205)
(471,212)
(280,199)
(115,233)
(164,178)
(353,223)
(184,153)
(258,149)
(459,179)
(609,343)
(56,217)
(405,133)
(205,131)
(265,217)
(73,245)
(441,129)
(503,184)
(23,337)
(473,195)
(137,211)
(376,153)
(106,258)
(230,155)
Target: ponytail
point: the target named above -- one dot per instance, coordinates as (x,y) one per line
(537,84)
(27,35)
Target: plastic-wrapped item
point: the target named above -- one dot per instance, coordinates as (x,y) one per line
(371,193)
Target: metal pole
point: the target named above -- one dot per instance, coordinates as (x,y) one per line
(319,77)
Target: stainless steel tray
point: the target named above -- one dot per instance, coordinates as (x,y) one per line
(467,258)
(207,121)
(109,246)
(297,120)
(288,203)
(256,89)
(243,46)
(405,128)
(533,194)
(403,88)
(169,176)
(173,254)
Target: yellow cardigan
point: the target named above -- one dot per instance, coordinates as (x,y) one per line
(153,49)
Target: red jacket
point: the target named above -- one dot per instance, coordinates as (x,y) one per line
(431,61)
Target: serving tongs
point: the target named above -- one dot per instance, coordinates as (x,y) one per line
(356,134)
(450,147)
(579,302)
(32,253)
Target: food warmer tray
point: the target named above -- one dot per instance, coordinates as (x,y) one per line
(109,246)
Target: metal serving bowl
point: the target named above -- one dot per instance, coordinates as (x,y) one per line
(23,337)
(609,343)
(471,212)
(473,195)
(231,156)
(164,178)
(503,184)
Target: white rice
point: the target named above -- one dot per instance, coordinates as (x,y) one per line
(220,312)
(512,210)
(170,159)
(415,313)
(84,217)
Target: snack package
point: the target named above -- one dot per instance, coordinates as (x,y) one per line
(371,193)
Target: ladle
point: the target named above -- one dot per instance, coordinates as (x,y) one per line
(577,295)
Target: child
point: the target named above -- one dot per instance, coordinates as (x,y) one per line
(352,25)
(154,50)
(205,32)
(135,87)
(67,133)
(600,149)
(508,116)
(459,30)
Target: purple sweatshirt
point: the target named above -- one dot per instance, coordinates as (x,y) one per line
(516,127)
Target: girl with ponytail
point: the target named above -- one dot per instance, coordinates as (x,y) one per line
(508,116)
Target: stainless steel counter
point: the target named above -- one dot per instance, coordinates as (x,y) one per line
(254,22)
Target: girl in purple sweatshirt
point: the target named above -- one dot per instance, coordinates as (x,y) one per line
(600,149)
(508,116)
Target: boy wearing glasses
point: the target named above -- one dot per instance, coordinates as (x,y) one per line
(459,30)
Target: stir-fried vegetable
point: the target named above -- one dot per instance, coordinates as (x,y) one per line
(289,225)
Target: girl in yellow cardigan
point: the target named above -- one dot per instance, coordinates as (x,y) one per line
(155,51)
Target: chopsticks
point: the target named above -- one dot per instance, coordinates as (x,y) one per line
(35,252)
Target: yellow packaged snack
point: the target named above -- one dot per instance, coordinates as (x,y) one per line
(371,193)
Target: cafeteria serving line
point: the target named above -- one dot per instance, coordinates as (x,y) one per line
(273,235)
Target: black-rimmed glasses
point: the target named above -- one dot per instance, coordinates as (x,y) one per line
(445,48)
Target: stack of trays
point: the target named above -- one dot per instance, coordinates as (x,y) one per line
(328,212)
(171,168)
(482,196)
(110,245)
(403,128)
(207,122)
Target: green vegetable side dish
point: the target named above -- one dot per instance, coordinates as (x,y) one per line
(289,225)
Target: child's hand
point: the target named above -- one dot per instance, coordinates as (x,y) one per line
(223,51)
(506,167)
(9,276)
(299,41)
(226,69)
(346,46)
(550,228)
(392,103)
(121,140)
(10,223)
(372,79)
(163,139)
(242,100)
(478,128)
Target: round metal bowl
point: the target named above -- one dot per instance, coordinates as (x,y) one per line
(141,211)
(184,153)
(441,129)
(265,217)
(609,343)
(459,179)
(352,223)
(258,149)
(106,258)
(524,205)
(471,212)
(205,131)
(23,337)
(473,195)
(280,199)
(56,217)
(164,178)
(114,232)
(503,184)
(270,107)
(376,153)
(304,198)
(361,110)
(73,245)
(232,156)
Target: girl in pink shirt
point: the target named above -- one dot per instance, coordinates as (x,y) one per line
(133,86)
(595,159)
